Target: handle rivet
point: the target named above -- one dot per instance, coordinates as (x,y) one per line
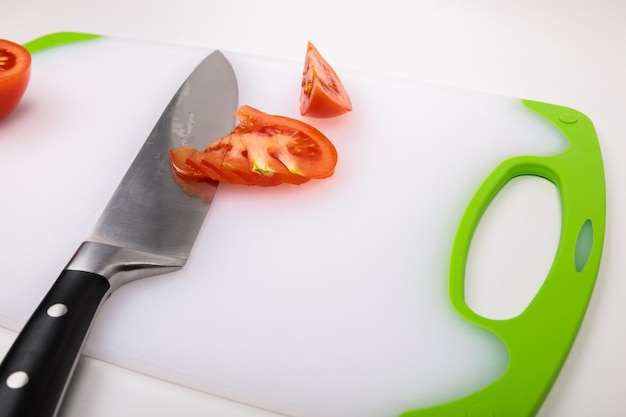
(17,380)
(57,310)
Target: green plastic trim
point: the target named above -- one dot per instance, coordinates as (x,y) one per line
(539,339)
(55,39)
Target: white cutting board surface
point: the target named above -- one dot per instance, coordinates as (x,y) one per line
(326,299)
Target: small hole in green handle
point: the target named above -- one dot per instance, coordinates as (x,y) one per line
(584,244)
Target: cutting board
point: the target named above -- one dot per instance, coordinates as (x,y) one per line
(325,299)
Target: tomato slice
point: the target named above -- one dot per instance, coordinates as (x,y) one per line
(15,63)
(178,159)
(322,93)
(263,149)
(204,189)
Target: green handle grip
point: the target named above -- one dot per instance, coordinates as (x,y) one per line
(539,339)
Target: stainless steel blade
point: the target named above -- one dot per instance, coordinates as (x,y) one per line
(150,224)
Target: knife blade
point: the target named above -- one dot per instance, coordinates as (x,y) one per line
(148,228)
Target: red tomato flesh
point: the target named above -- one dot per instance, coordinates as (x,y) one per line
(263,149)
(322,93)
(15,63)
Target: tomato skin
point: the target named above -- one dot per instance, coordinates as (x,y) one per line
(322,93)
(263,150)
(15,64)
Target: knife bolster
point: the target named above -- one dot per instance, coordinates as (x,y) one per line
(121,265)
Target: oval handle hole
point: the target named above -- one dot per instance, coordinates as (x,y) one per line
(513,248)
(584,242)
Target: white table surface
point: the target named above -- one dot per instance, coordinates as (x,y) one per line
(569,52)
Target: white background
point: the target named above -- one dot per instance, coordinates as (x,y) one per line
(566,52)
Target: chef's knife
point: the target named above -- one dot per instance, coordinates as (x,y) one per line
(148,228)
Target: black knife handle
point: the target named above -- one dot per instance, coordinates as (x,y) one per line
(39,364)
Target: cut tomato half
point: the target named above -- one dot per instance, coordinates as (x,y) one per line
(15,62)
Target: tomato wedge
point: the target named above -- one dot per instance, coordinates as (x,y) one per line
(14,75)
(322,93)
(263,149)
